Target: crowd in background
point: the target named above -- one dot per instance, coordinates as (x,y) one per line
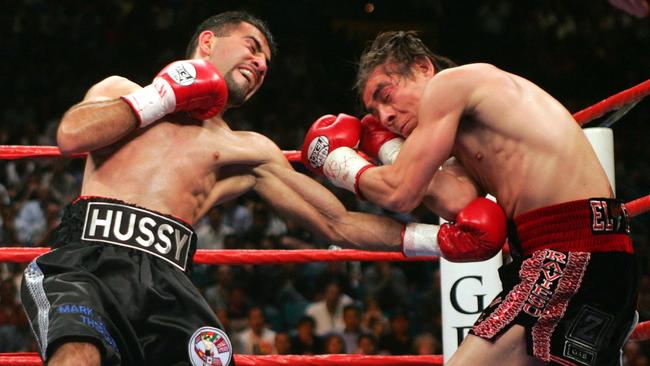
(54,52)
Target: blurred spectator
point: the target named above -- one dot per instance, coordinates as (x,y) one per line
(334,344)
(14,336)
(264,224)
(426,344)
(328,313)
(8,234)
(236,216)
(30,221)
(335,272)
(211,230)
(373,321)
(257,338)
(62,185)
(398,340)
(237,307)
(218,293)
(295,237)
(222,314)
(633,355)
(305,341)
(367,345)
(386,283)
(352,328)
(282,343)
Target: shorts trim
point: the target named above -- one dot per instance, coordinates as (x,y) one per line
(514,300)
(548,281)
(34,281)
(569,284)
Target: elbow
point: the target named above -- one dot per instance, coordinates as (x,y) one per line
(402,202)
(67,143)
(67,138)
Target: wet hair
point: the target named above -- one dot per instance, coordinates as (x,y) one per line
(399,48)
(222,24)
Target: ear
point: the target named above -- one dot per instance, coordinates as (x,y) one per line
(425,66)
(205,42)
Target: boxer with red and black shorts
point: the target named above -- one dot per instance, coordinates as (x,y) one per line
(117,277)
(572,283)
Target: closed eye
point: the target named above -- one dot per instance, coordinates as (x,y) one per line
(385,97)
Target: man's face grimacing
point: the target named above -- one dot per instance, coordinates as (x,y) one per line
(394,98)
(242,56)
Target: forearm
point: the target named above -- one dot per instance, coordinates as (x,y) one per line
(298,196)
(450,191)
(383,185)
(90,126)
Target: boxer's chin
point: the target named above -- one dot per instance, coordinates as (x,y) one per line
(236,91)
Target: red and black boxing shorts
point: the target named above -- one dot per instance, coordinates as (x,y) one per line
(572,284)
(117,278)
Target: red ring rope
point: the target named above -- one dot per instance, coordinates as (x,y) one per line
(32,359)
(638,206)
(613,103)
(250,256)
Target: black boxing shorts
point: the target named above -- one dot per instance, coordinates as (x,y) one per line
(573,287)
(116,277)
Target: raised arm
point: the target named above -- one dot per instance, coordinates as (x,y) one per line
(101,119)
(116,106)
(403,185)
(451,189)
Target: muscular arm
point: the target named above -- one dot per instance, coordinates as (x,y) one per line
(101,119)
(302,199)
(403,185)
(451,190)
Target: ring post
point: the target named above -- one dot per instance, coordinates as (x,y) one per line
(602,140)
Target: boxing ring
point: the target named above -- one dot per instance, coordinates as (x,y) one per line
(612,109)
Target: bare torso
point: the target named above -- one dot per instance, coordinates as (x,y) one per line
(174,167)
(522,146)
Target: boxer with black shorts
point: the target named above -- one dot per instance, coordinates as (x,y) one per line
(447,134)
(115,288)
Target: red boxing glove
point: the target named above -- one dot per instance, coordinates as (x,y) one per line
(478,233)
(379,142)
(329,149)
(194,86)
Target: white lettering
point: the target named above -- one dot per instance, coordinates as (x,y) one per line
(106,223)
(180,243)
(144,222)
(161,235)
(118,224)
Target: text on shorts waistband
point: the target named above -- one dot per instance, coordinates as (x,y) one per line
(590,225)
(138,228)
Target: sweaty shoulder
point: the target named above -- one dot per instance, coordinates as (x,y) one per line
(475,75)
(474,82)
(110,88)
(263,148)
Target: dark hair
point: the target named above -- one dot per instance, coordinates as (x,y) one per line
(307,319)
(221,25)
(352,307)
(400,48)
